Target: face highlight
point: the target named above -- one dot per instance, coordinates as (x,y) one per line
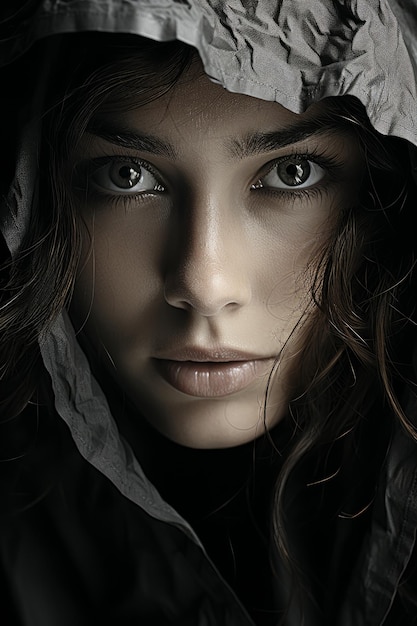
(204,212)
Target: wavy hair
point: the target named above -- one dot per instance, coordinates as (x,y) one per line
(356,357)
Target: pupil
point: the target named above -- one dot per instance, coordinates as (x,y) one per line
(129,175)
(126,172)
(295,172)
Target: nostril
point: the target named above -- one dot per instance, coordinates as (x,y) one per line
(207,292)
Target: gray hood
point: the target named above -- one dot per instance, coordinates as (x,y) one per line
(294,52)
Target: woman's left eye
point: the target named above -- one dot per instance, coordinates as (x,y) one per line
(292,172)
(126,176)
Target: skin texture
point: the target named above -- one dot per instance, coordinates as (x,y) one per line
(207,259)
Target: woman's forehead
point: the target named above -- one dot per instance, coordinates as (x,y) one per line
(196,102)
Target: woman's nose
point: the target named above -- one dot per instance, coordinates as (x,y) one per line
(208,265)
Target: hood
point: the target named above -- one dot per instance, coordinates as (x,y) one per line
(294,53)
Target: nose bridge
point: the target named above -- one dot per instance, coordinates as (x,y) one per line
(207,234)
(207,273)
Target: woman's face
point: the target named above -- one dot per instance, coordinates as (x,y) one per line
(204,210)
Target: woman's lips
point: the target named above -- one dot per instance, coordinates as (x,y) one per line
(212,379)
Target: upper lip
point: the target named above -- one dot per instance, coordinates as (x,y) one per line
(203,355)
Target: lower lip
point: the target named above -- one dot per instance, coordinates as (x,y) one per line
(212,379)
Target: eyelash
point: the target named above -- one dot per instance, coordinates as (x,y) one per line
(87,169)
(330,164)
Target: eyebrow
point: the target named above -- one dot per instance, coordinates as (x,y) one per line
(132,139)
(252,144)
(257,143)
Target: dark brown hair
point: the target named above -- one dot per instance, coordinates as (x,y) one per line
(357,353)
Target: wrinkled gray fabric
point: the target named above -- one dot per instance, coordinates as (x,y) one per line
(294,52)
(291,52)
(388,548)
(16,209)
(84,408)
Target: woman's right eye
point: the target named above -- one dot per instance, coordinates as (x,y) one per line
(126,176)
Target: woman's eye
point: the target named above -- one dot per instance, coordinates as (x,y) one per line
(123,175)
(291,172)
